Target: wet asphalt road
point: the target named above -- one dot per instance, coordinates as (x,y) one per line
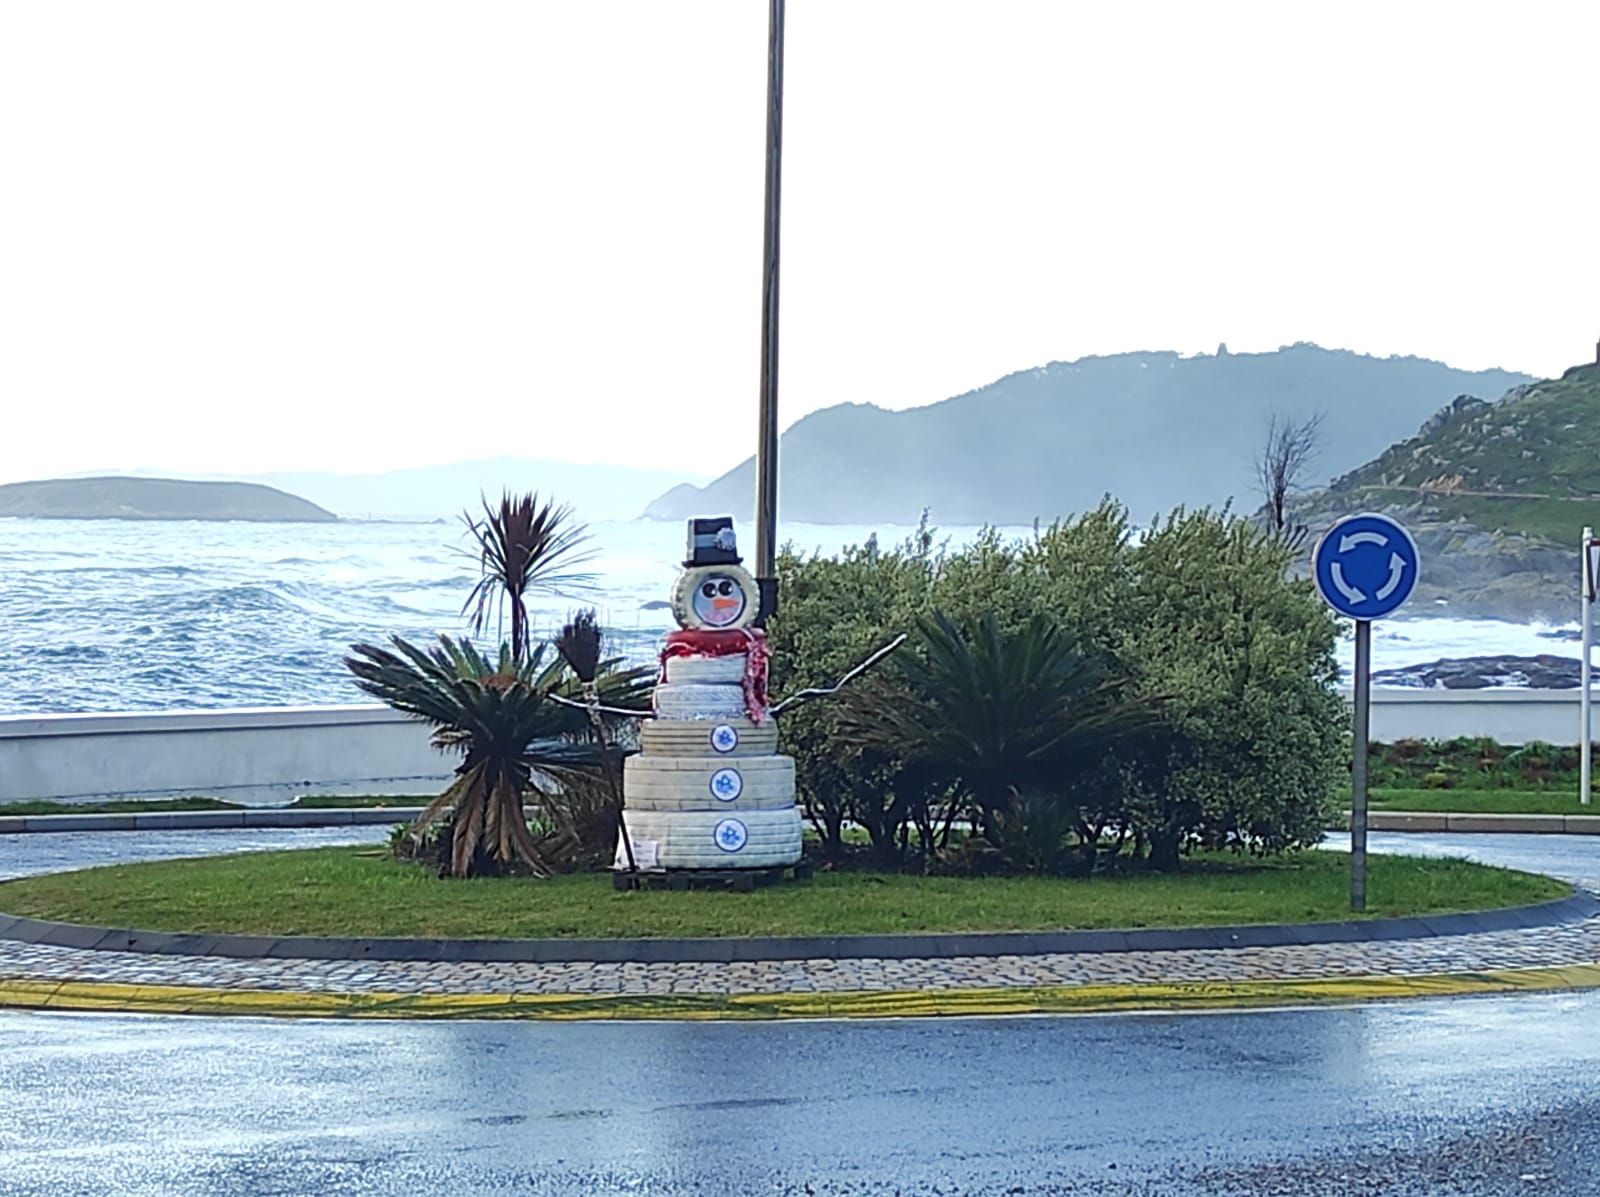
(1487,1096)
(1574,858)
(53,852)
(1469,1096)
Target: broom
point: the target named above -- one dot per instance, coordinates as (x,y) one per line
(579,645)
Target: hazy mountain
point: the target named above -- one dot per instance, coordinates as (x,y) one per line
(1496,495)
(595,492)
(1153,429)
(154,499)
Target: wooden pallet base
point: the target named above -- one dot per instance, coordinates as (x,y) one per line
(739,880)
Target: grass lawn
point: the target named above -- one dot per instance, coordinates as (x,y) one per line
(1496,802)
(334,801)
(48,807)
(362,892)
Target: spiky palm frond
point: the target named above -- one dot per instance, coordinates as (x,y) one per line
(523,546)
(498,714)
(998,710)
(579,644)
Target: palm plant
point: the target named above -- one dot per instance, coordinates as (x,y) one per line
(523,546)
(580,645)
(999,712)
(500,715)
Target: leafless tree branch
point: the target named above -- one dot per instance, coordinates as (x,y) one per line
(1290,447)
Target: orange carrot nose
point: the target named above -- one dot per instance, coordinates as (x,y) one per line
(723,604)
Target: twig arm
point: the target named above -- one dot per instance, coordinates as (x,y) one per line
(824,691)
(604,710)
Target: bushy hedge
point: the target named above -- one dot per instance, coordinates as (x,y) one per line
(1196,616)
(1473,763)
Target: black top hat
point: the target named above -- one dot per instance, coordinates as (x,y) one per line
(711,542)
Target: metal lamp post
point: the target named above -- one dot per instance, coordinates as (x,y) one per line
(767,439)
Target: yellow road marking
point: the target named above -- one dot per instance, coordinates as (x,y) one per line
(1041,999)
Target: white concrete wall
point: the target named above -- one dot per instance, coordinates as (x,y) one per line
(257,756)
(271,755)
(1510,716)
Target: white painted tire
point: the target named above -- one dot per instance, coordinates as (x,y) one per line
(692,576)
(700,737)
(698,783)
(690,840)
(698,804)
(727,670)
(698,701)
(649,769)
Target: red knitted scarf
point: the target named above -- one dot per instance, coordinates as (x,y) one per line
(750,641)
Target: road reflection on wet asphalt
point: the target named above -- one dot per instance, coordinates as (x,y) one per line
(1411,1098)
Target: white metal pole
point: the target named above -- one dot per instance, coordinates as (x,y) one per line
(1585,739)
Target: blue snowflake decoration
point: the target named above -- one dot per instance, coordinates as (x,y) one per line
(731,835)
(724,738)
(726,785)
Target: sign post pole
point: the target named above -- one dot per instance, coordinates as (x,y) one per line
(1365,567)
(1585,738)
(1358,767)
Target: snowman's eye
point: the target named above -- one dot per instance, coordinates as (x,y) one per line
(725,589)
(708,589)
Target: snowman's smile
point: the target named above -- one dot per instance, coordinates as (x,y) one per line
(719,600)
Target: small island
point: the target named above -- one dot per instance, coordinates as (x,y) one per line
(121,498)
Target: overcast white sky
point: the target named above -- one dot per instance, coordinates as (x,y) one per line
(255,236)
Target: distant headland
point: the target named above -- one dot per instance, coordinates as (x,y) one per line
(1155,430)
(120,498)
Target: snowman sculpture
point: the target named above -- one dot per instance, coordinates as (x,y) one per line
(708,790)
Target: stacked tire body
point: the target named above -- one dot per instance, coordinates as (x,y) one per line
(709,787)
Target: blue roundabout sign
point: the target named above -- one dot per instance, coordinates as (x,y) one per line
(1366,566)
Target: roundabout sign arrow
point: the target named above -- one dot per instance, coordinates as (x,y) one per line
(1366,566)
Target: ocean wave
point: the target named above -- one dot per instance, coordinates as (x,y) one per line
(459,583)
(258,615)
(168,570)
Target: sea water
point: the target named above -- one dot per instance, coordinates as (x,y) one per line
(115,615)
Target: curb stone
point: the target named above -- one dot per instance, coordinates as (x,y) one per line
(1576,906)
(1402,820)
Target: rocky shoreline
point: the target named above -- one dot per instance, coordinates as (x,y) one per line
(1471,573)
(1544,671)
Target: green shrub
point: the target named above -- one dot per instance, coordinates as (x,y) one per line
(1473,763)
(833,613)
(1253,737)
(1197,618)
